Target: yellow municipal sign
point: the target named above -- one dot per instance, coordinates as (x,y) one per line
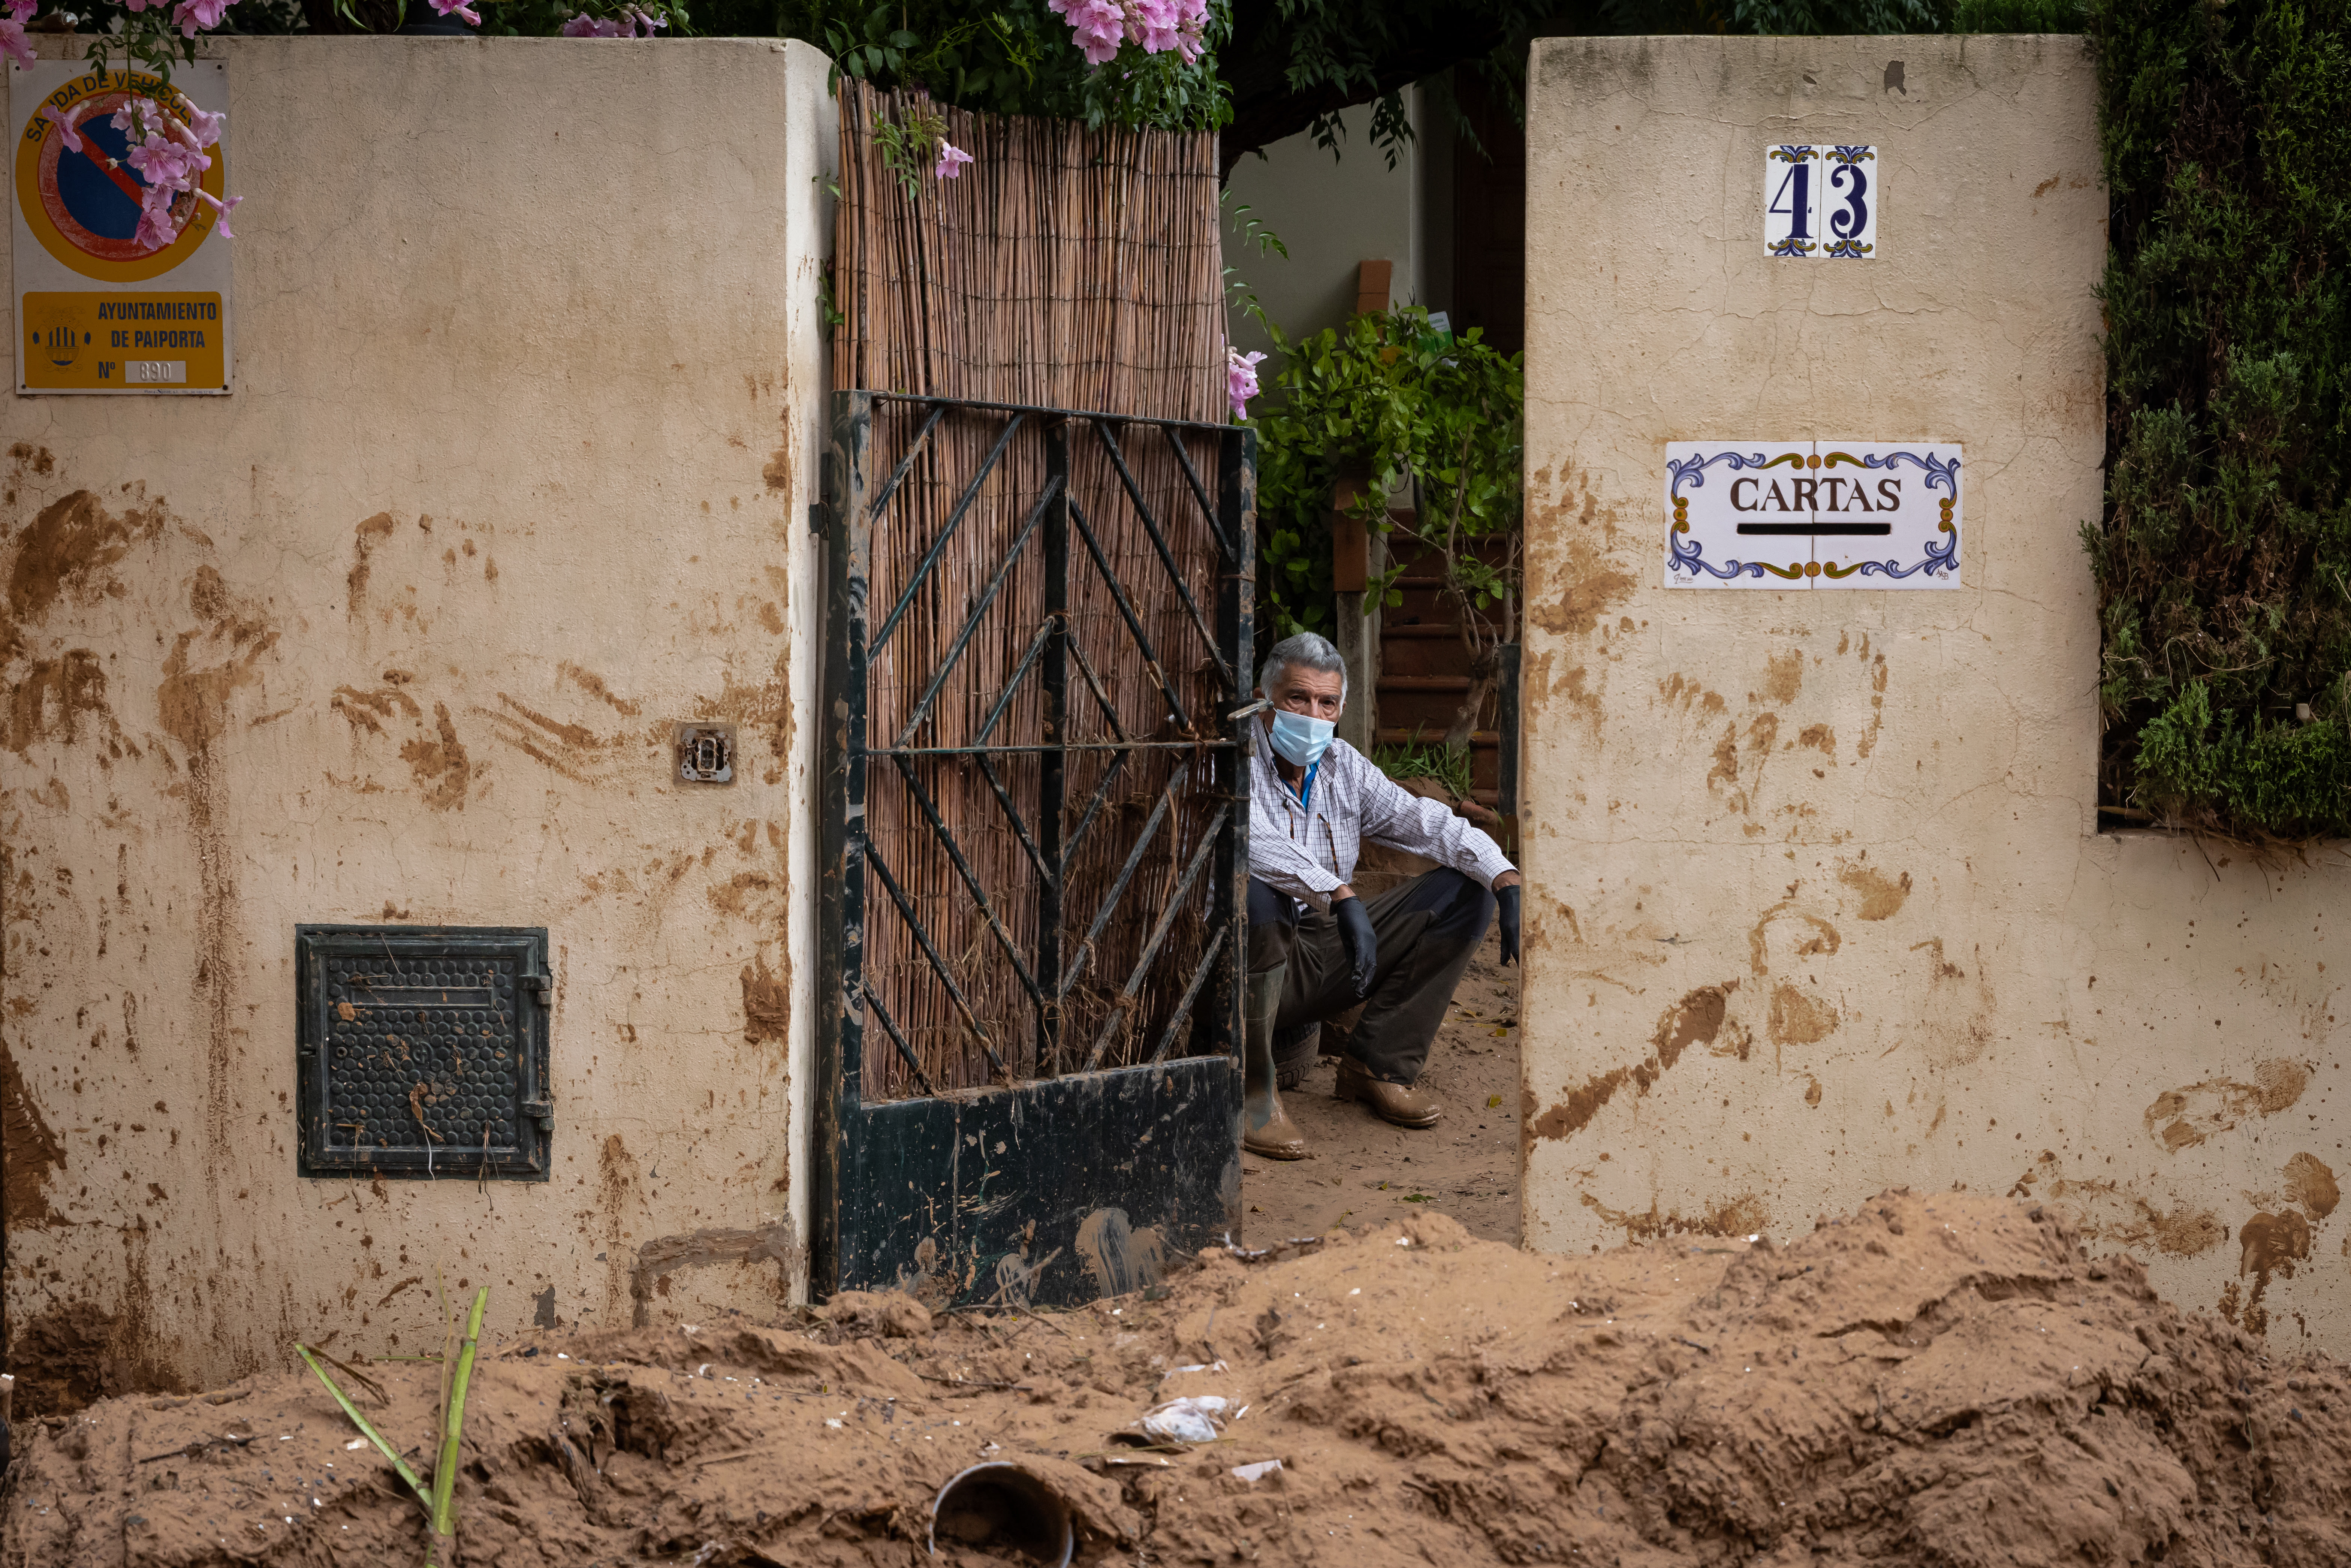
(97,309)
(107,342)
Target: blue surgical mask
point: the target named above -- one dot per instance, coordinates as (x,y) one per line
(1301,740)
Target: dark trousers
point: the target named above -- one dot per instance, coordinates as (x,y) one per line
(1425,929)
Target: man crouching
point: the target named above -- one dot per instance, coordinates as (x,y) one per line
(1314,949)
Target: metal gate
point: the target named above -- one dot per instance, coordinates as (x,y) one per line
(1035,847)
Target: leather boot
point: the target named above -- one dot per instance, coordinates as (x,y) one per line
(1266,1127)
(1401,1103)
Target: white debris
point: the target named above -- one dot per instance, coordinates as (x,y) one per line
(1189,1420)
(1215,1366)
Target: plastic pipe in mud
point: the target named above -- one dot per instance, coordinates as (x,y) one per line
(1001,1502)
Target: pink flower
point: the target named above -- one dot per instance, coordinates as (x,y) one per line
(177,130)
(66,121)
(205,127)
(1099,27)
(631,22)
(155,226)
(13,42)
(1241,379)
(1189,39)
(223,208)
(166,164)
(951,161)
(1153,23)
(198,16)
(459,9)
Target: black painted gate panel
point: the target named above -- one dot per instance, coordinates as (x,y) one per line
(1035,860)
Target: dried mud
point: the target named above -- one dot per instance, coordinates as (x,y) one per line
(1938,1380)
(1361,1170)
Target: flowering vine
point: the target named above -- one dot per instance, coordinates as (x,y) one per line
(166,140)
(920,137)
(1100,27)
(1241,379)
(1142,64)
(628,21)
(13,42)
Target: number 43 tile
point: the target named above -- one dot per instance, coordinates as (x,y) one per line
(1821,201)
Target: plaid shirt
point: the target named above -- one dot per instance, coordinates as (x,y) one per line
(1308,849)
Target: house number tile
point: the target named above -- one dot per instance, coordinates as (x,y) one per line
(1821,201)
(1786,515)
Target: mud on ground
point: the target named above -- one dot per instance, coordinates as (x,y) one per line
(1937,1380)
(1360,1171)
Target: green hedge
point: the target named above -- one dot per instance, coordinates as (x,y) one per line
(2223,562)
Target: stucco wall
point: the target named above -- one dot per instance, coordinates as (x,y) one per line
(1819,902)
(1332,215)
(514,477)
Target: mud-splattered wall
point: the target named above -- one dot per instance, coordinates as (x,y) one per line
(516,478)
(1819,902)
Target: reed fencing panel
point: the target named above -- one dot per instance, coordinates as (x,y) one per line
(1044,565)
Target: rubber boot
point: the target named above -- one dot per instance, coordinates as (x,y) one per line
(1265,1128)
(1293,1052)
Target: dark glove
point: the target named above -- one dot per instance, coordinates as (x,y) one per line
(1507,900)
(1355,936)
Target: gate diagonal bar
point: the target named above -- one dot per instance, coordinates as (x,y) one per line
(1199,491)
(1061,883)
(979,614)
(906,463)
(1134,863)
(1151,664)
(1151,526)
(939,968)
(980,901)
(946,529)
(1119,1012)
(1200,976)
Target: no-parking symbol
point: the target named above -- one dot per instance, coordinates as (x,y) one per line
(97,309)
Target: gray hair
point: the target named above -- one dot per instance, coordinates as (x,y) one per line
(1306,650)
